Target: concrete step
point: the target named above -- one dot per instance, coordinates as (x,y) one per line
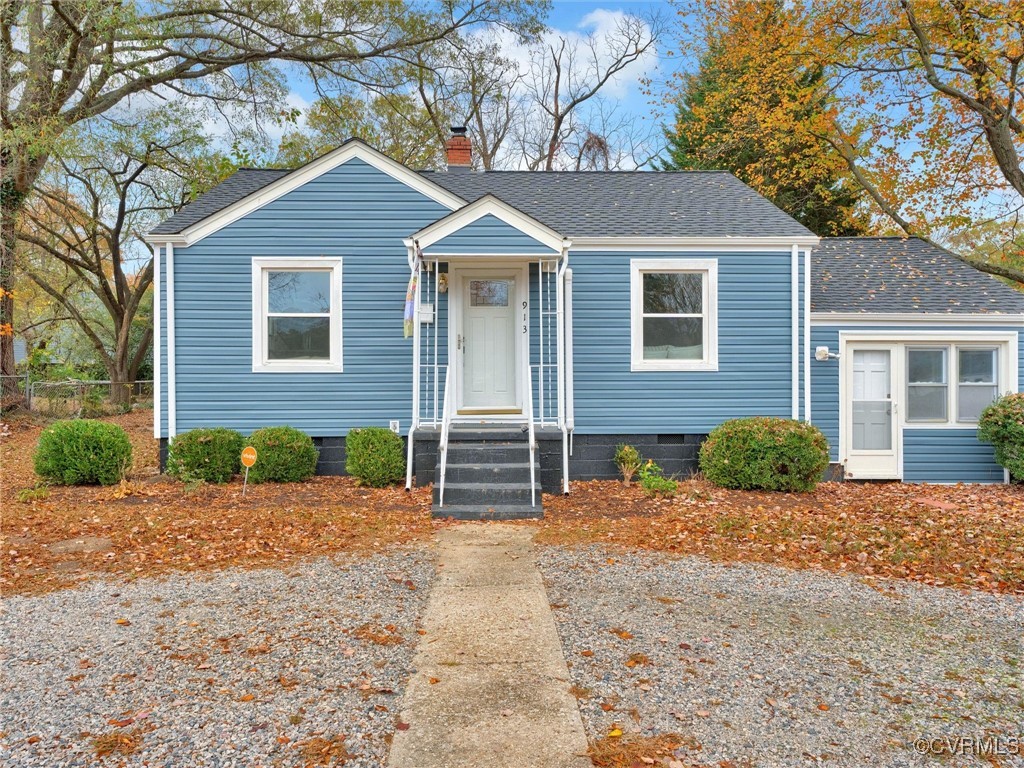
(511,434)
(486,493)
(487,473)
(489,511)
(489,453)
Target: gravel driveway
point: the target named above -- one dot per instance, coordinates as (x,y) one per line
(244,668)
(766,667)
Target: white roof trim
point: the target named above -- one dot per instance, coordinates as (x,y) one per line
(350,150)
(641,243)
(489,205)
(914,318)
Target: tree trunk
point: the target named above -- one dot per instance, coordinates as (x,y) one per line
(10,204)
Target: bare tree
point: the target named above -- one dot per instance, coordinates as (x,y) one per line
(567,75)
(66,61)
(86,216)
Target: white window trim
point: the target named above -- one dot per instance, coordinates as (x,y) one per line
(260,363)
(1007,370)
(637,268)
(955,372)
(945,349)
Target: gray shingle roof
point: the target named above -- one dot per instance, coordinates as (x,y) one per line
(583,204)
(627,203)
(895,274)
(241,184)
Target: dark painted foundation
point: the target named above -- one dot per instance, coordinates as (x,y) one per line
(331,461)
(591,457)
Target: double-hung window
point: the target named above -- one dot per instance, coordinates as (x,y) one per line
(977,381)
(927,384)
(951,384)
(674,317)
(296,315)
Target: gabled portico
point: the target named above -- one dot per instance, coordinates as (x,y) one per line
(489,340)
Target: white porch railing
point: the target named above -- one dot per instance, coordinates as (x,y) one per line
(528,372)
(446,425)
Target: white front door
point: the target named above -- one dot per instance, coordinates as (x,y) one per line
(486,343)
(872,439)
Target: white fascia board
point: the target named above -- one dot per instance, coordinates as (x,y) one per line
(354,149)
(911,318)
(489,205)
(733,244)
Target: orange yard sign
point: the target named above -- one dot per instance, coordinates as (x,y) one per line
(248,456)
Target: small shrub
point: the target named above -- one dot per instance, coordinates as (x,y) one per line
(627,459)
(83,452)
(283,455)
(39,492)
(375,456)
(212,455)
(765,453)
(1002,424)
(655,483)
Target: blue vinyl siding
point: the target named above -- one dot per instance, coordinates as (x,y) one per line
(489,235)
(929,455)
(352,211)
(754,376)
(946,456)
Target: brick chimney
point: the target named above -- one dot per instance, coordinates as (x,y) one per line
(460,149)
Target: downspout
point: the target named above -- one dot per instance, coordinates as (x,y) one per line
(172,385)
(157,299)
(570,405)
(414,422)
(807,335)
(795,331)
(561,317)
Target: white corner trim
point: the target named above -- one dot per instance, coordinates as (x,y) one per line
(636,269)
(912,318)
(260,363)
(794,287)
(682,244)
(172,383)
(807,336)
(493,206)
(353,149)
(157,298)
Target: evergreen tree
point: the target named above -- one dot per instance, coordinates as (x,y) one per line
(753,107)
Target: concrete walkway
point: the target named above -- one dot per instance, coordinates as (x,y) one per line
(491,687)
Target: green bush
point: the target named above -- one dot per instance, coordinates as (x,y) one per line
(627,459)
(211,455)
(655,483)
(1002,424)
(375,456)
(283,455)
(83,452)
(765,453)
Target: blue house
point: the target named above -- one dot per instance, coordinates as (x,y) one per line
(552,316)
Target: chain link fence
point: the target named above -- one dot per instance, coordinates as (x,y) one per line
(14,392)
(74,399)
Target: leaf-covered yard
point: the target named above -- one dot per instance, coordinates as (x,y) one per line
(152,524)
(963,535)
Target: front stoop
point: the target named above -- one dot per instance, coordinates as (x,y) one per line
(488,476)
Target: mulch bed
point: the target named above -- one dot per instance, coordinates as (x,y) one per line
(963,535)
(156,524)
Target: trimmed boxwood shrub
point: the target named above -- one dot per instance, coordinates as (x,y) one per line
(375,456)
(283,455)
(1002,424)
(210,454)
(765,453)
(83,452)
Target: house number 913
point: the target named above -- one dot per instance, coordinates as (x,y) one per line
(525,316)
